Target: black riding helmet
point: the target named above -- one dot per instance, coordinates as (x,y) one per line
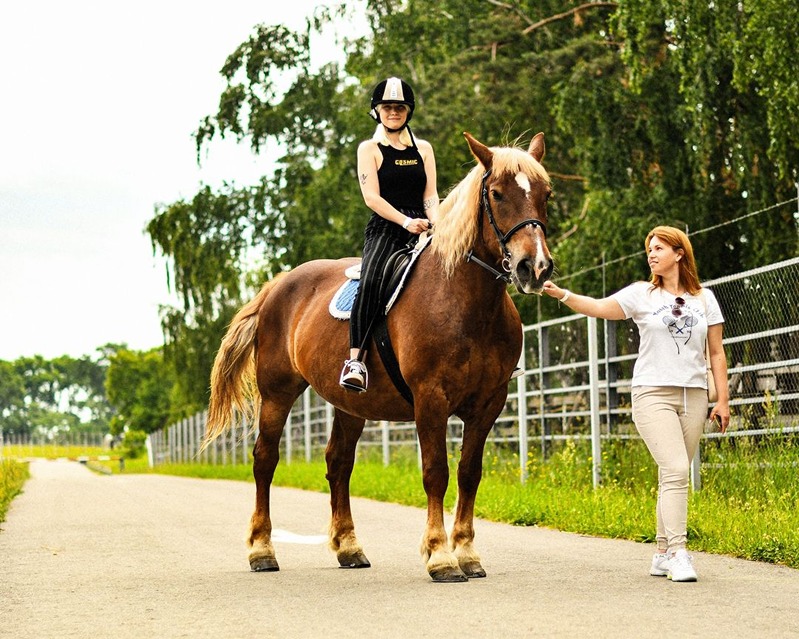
(393,91)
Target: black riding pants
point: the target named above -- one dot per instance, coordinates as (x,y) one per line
(381,239)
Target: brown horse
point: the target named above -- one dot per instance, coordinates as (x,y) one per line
(457,337)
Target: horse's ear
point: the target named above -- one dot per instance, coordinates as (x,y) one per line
(537,148)
(480,151)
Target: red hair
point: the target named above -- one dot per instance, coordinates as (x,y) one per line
(677,240)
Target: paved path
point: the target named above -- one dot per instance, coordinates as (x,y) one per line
(85,555)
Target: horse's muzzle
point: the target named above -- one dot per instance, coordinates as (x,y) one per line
(530,274)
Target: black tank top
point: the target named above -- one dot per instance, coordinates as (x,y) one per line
(402,178)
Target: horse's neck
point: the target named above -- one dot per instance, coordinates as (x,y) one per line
(485,248)
(485,288)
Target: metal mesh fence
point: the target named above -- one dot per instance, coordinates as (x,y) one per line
(553,401)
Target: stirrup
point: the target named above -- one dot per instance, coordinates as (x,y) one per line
(354,376)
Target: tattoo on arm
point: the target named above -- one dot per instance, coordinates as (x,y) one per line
(363,178)
(429,203)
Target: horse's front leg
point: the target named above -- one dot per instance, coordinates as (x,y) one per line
(470,472)
(340,457)
(266,455)
(442,565)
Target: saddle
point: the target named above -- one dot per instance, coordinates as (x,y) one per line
(395,274)
(398,269)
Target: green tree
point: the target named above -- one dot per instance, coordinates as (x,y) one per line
(654,112)
(55,396)
(138,385)
(12,399)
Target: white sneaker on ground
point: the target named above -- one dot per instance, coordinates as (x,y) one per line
(681,567)
(660,565)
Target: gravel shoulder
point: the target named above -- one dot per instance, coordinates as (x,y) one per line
(87,555)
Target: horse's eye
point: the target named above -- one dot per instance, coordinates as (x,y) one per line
(496,195)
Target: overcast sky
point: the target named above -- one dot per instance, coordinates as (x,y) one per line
(98,103)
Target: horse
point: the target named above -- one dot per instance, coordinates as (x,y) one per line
(457,337)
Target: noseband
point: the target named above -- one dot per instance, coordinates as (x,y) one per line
(503,238)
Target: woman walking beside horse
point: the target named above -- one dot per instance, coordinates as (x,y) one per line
(675,317)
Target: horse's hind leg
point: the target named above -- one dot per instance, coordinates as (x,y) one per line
(340,457)
(266,454)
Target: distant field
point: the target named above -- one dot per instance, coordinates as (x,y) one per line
(53,452)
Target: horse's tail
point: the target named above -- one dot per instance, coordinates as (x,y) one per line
(233,384)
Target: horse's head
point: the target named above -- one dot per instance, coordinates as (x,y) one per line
(514,196)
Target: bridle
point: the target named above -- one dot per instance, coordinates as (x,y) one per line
(503,238)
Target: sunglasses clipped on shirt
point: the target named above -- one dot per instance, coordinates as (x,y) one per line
(676,309)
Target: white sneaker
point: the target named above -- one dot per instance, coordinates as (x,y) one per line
(354,376)
(681,566)
(660,565)
(517,372)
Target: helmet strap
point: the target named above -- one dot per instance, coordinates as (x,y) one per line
(390,130)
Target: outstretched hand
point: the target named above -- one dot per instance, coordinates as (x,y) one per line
(553,290)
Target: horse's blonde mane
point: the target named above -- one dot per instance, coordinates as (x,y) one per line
(457,224)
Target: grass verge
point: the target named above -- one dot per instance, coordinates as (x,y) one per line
(13,475)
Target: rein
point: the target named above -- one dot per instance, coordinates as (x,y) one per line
(503,238)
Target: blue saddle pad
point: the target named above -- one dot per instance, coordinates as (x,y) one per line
(341,304)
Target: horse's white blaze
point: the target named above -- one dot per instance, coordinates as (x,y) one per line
(540,262)
(523,181)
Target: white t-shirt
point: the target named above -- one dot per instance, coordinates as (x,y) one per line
(672,350)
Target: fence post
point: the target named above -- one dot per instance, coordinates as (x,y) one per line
(386,443)
(306,409)
(287,432)
(193,437)
(521,385)
(543,361)
(245,437)
(233,448)
(696,463)
(223,443)
(186,443)
(171,442)
(214,447)
(328,420)
(611,372)
(593,374)
(183,445)
(201,425)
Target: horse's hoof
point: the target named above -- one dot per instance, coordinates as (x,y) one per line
(448,576)
(264,564)
(358,560)
(474,571)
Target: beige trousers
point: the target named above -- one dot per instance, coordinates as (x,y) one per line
(670,420)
